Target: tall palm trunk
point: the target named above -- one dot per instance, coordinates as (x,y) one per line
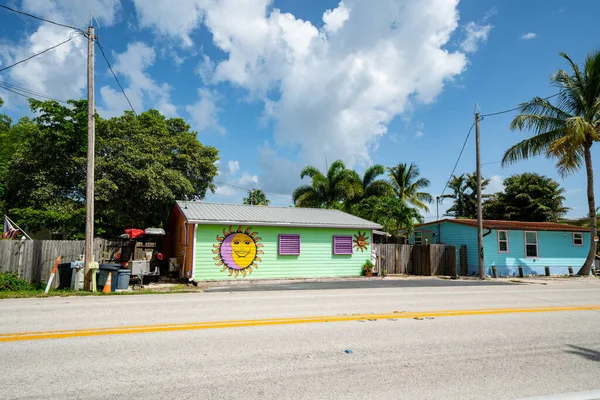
(585,270)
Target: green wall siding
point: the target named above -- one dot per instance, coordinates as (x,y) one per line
(316,257)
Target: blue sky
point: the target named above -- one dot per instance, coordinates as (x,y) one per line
(276,85)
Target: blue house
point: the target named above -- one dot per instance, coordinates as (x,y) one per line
(510,244)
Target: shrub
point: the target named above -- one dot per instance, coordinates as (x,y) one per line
(10,282)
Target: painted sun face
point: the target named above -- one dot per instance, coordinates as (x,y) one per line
(238,251)
(360,241)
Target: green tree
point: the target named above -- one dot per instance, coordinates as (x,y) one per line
(257,197)
(390,212)
(143,164)
(464,194)
(566,130)
(371,186)
(407,185)
(9,142)
(327,191)
(527,197)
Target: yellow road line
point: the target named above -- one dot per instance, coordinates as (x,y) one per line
(123,330)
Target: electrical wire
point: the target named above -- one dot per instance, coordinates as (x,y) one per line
(17,92)
(513,109)
(40,53)
(458,160)
(115,75)
(272,195)
(28,91)
(40,19)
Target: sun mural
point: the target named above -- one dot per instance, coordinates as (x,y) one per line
(360,241)
(238,251)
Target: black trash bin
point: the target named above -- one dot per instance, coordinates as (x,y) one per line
(106,269)
(64,276)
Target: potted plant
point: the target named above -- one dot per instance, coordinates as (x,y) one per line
(368,268)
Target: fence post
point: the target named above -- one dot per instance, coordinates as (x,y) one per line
(463,261)
(521,274)
(547,270)
(494,272)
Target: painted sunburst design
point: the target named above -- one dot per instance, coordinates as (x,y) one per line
(238,251)
(360,241)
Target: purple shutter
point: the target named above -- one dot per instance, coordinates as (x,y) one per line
(342,245)
(289,245)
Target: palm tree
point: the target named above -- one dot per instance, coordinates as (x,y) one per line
(565,130)
(257,197)
(371,186)
(327,191)
(407,185)
(458,186)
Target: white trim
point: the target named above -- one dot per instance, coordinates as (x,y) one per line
(498,240)
(582,239)
(193,253)
(265,223)
(415,237)
(537,244)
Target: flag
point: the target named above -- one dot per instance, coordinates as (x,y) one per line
(9,232)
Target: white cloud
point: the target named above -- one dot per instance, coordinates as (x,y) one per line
(246,179)
(59,73)
(529,36)
(143,91)
(334,19)
(474,35)
(205,112)
(332,90)
(419,133)
(234,166)
(496,185)
(420,127)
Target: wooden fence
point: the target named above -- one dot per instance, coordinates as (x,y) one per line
(406,259)
(33,259)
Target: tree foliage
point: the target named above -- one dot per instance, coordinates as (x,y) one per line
(391,213)
(408,185)
(257,197)
(565,128)
(143,164)
(464,194)
(527,197)
(327,191)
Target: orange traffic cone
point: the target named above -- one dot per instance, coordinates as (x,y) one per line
(108,284)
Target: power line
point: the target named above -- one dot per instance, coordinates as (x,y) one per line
(37,54)
(39,18)
(457,161)
(248,190)
(24,94)
(115,75)
(514,109)
(28,91)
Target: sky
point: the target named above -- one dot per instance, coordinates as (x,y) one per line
(276,85)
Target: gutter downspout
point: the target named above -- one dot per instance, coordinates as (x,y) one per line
(488,232)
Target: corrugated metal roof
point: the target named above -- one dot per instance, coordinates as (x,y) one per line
(513,225)
(213,213)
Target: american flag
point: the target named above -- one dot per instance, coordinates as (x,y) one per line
(9,232)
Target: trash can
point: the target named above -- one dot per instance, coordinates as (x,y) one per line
(106,269)
(77,275)
(123,278)
(64,276)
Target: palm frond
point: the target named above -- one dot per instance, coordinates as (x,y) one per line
(531,147)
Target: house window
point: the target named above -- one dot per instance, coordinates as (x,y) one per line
(531,245)
(342,245)
(502,241)
(289,245)
(418,237)
(577,239)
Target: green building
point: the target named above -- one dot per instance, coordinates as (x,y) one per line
(228,241)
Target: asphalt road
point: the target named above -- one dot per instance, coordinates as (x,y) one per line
(488,356)
(360,284)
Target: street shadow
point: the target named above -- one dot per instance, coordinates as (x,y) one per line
(590,354)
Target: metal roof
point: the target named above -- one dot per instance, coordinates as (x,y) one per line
(198,212)
(513,225)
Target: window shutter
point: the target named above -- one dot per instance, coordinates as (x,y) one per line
(342,245)
(289,245)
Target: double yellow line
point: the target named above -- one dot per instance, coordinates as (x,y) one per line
(125,330)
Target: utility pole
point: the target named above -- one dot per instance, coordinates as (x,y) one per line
(89,194)
(437,208)
(479,210)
